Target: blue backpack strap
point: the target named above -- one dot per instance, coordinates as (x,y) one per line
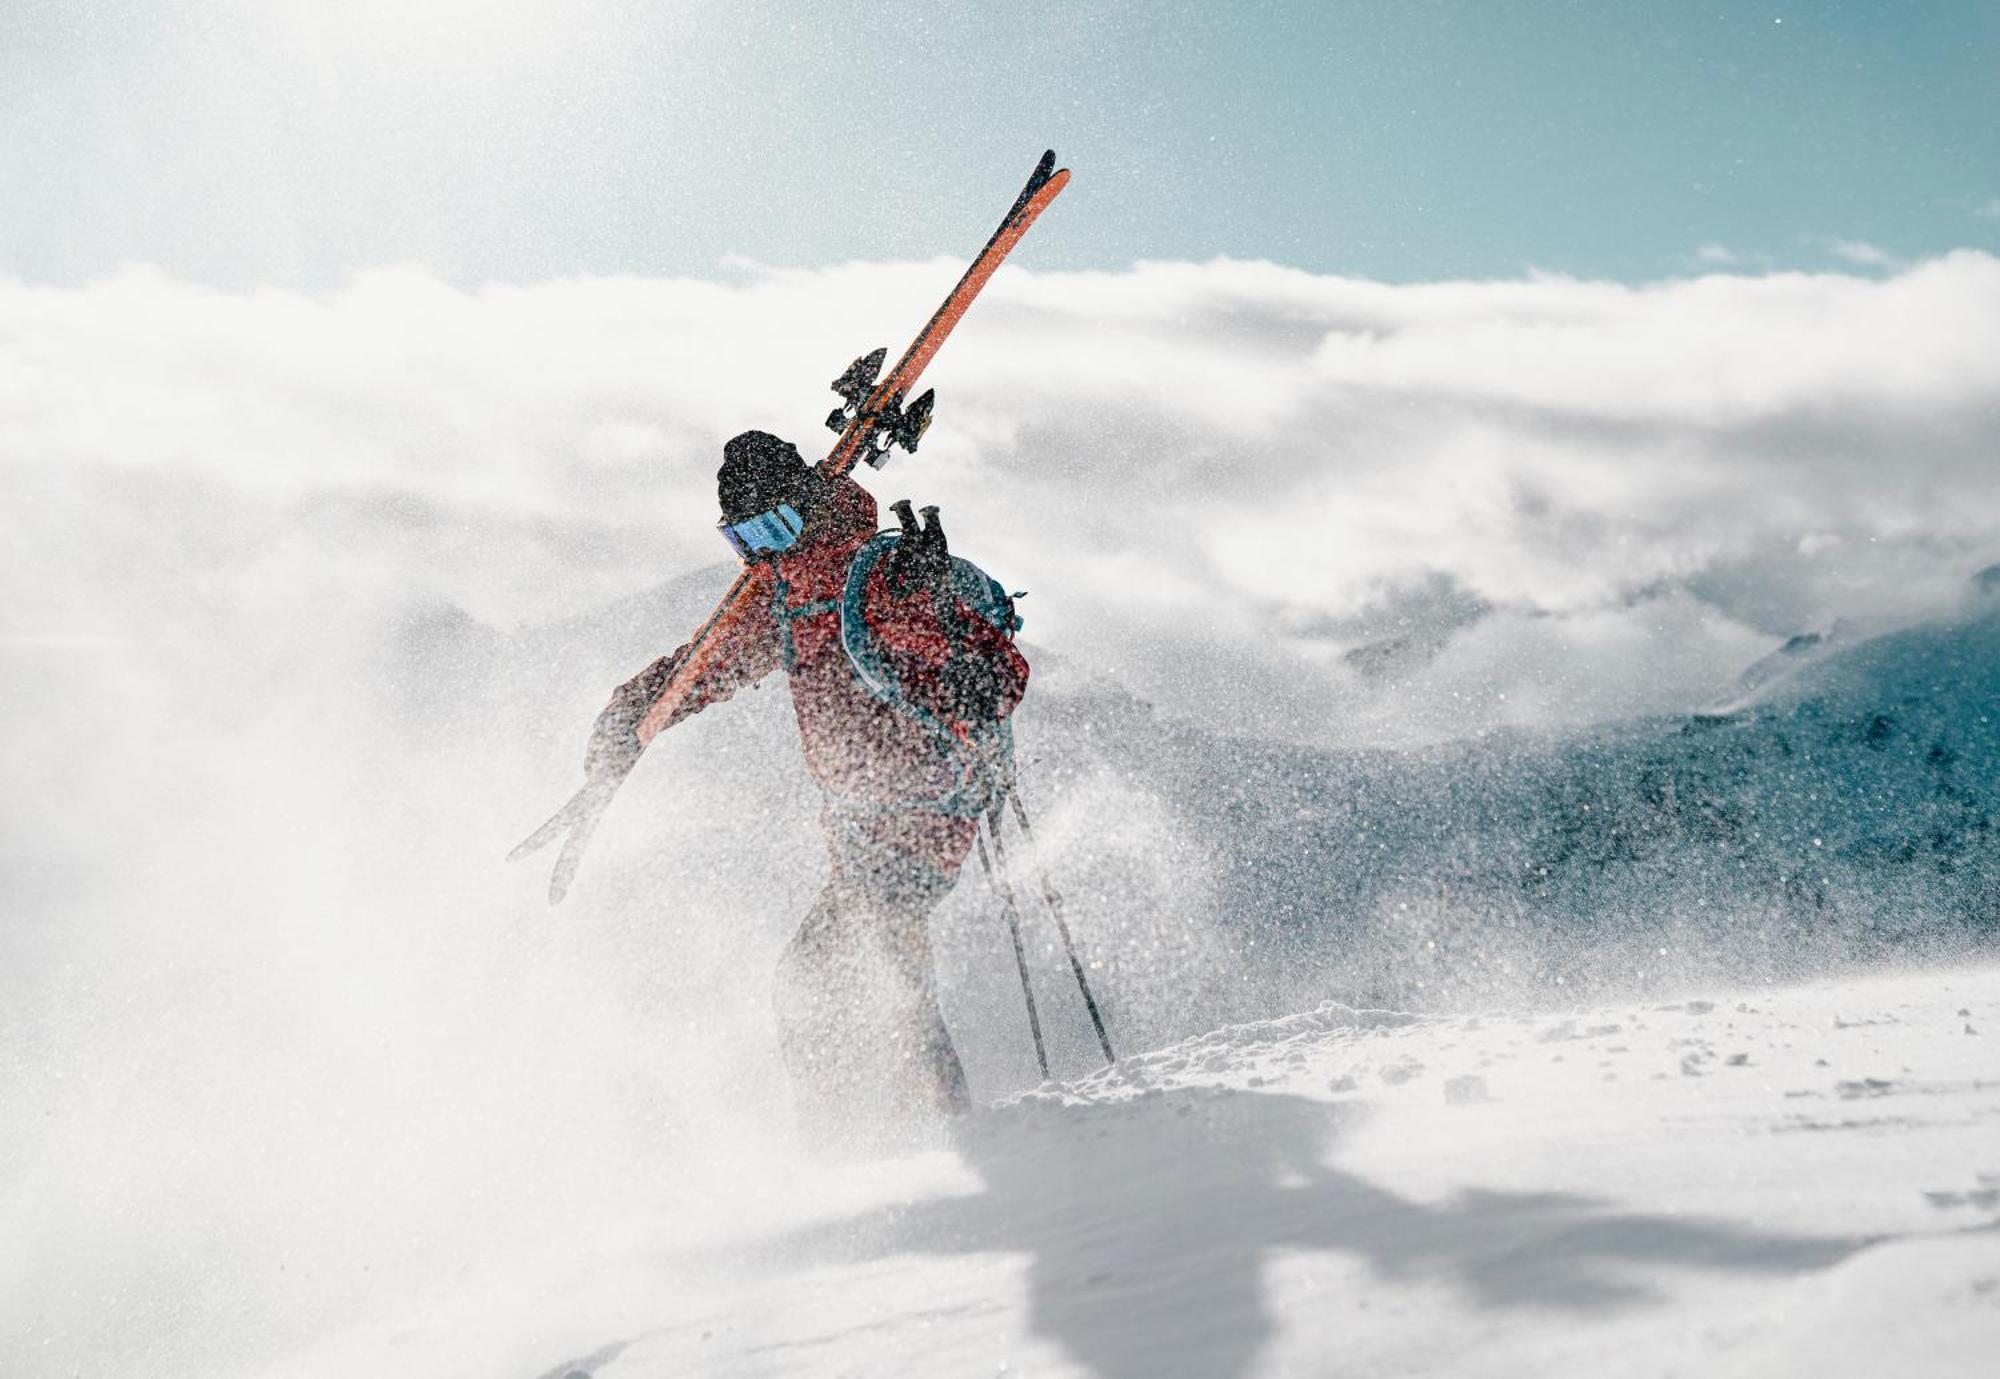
(785,612)
(857,639)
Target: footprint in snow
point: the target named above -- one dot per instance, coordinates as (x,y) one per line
(1864,1087)
(1468,1090)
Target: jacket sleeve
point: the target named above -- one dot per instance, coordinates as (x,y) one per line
(748,652)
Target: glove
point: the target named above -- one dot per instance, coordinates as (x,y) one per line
(614,739)
(921,559)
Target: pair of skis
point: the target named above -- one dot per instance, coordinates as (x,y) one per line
(872,419)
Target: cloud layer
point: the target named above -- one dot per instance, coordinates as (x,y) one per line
(1219,481)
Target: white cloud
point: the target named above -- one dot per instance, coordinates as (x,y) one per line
(1720,255)
(1180,459)
(1862,253)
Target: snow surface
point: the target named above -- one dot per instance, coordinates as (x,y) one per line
(1778,1181)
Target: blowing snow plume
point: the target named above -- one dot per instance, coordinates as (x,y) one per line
(310,599)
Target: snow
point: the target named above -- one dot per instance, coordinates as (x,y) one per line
(1779,1181)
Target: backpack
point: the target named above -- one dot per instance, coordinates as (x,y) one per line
(977,590)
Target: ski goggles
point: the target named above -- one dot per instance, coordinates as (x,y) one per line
(766,533)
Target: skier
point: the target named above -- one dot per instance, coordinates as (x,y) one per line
(903,671)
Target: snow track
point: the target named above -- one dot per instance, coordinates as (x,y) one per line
(1794,1181)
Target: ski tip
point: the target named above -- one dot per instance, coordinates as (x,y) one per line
(567,864)
(539,839)
(564,873)
(554,828)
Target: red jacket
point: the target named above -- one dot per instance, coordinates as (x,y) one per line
(858,747)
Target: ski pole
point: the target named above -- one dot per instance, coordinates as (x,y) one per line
(1053,899)
(1001,888)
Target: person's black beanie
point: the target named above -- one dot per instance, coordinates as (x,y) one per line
(759,471)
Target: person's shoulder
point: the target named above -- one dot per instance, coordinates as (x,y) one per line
(854,505)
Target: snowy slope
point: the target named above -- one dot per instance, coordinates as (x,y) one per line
(1768,1182)
(1843,810)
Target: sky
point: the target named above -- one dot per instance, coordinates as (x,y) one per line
(291,142)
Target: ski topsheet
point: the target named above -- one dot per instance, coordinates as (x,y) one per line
(879,415)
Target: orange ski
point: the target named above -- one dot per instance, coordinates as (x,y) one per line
(874,419)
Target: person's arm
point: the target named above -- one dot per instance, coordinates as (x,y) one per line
(748,653)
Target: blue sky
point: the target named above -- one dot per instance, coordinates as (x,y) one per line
(289,141)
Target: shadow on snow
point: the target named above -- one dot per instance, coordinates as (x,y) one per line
(1146,1225)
